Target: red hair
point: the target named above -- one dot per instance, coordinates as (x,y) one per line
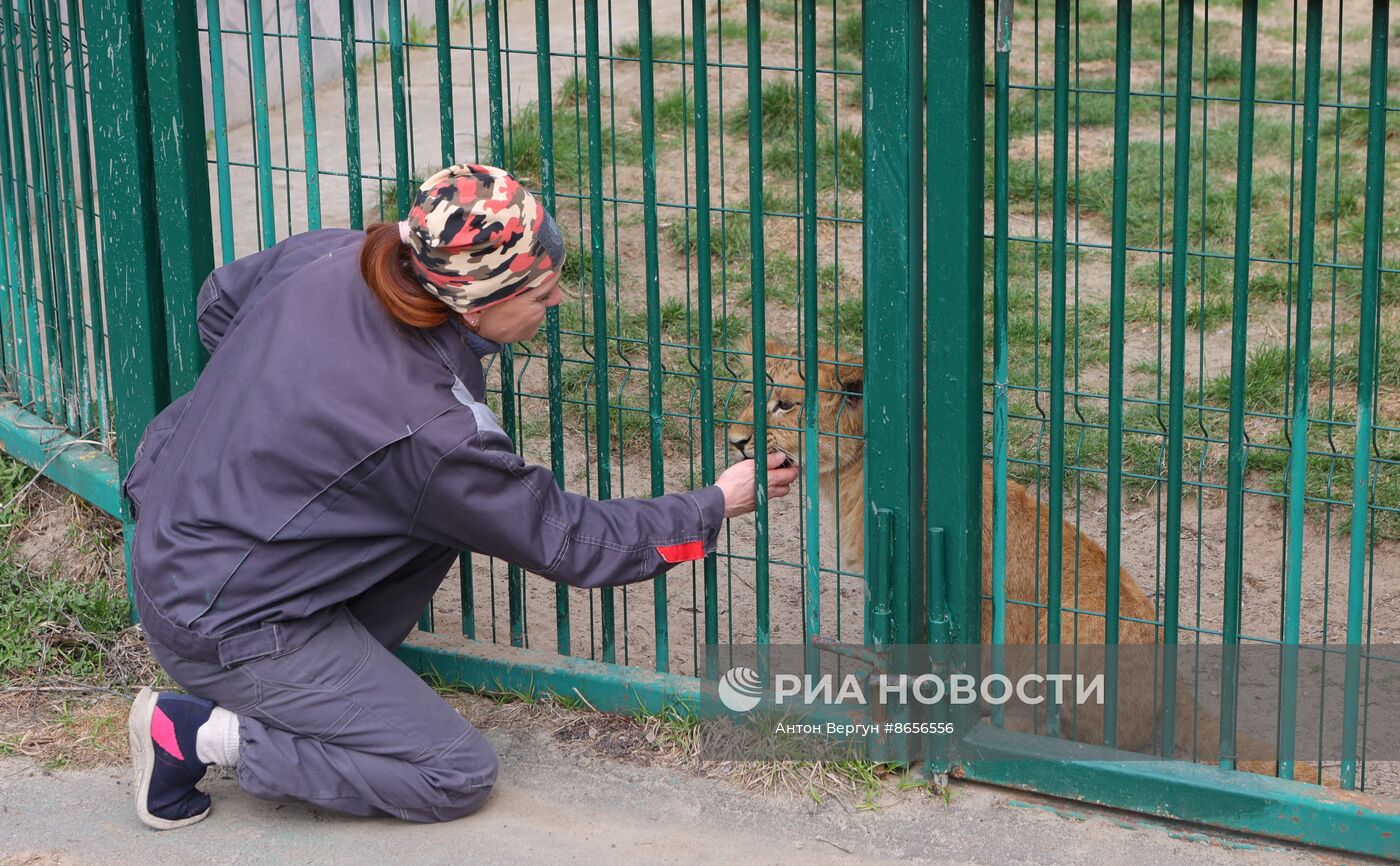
(386,269)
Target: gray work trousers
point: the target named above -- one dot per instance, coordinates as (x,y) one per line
(342,724)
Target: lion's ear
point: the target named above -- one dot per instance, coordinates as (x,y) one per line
(852,378)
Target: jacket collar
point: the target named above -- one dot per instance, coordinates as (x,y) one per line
(480,346)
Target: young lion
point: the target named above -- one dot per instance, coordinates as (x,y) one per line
(841,454)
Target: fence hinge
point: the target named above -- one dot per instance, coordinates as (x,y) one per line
(941,626)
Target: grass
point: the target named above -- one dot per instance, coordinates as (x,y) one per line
(849,35)
(578,268)
(780,106)
(674,111)
(523,151)
(730,240)
(57,627)
(672,46)
(572,92)
(840,159)
(55,624)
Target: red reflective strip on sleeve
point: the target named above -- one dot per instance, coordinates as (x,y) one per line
(682,552)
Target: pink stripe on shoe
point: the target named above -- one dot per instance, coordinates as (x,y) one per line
(163,732)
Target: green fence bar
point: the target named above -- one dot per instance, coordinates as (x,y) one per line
(466,586)
(1239,346)
(79,401)
(349,71)
(1122,82)
(447,129)
(1054,594)
(181,180)
(79,396)
(47,294)
(11,305)
(403,191)
(218,105)
(59,348)
(1366,380)
(1297,486)
(67,316)
(1000,375)
(655,407)
(32,391)
(308,115)
(46,364)
(261,135)
(953,395)
(810,402)
(1180,206)
(86,187)
(555,359)
(704,278)
(811,619)
(17,219)
(515,577)
(602,418)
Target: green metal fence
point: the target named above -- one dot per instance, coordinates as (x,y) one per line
(995,220)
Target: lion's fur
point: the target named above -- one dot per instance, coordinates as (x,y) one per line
(842,456)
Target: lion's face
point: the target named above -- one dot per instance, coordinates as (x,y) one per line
(840,381)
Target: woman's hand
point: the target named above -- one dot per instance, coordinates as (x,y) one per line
(739,485)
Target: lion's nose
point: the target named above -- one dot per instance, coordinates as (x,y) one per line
(739,444)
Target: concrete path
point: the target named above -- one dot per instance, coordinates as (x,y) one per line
(554,805)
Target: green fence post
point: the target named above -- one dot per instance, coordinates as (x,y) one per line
(893,125)
(181,176)
(954,373)
(130,244)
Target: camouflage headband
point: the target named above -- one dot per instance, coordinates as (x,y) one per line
(477,237)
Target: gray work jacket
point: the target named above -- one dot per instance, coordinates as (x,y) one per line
(326,445)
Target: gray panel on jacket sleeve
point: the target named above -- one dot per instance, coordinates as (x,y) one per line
(485,418)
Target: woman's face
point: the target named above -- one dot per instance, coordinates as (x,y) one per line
(519,318)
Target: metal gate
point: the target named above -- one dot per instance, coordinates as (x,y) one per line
(994,222)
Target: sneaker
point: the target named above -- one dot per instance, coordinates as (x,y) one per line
(162,727)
